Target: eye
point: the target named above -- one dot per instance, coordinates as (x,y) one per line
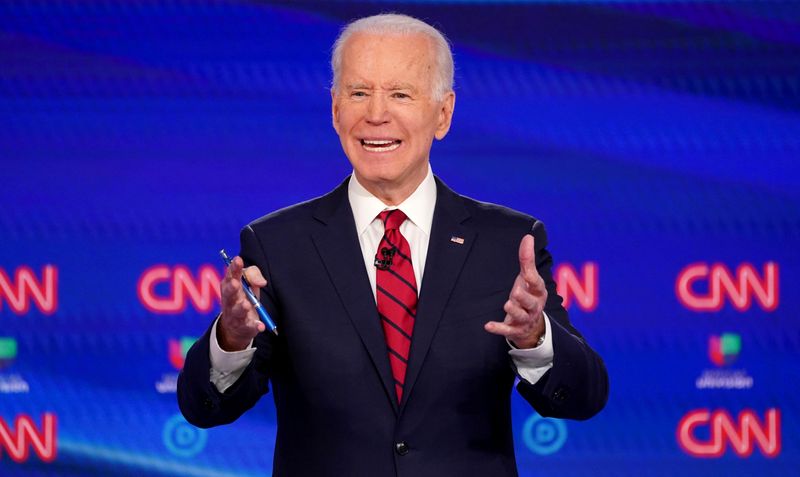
(358,94)
(399,95)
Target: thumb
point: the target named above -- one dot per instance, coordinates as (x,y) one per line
(527,256)
(255,278)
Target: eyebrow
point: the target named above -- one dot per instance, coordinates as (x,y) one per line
(357,86)
(391,87)
(399,86)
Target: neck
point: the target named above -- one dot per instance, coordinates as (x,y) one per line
(393,193)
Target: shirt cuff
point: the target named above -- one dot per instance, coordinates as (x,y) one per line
(532,363)
(227,366)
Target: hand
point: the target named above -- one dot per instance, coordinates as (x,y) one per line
(524,321)
(239,322)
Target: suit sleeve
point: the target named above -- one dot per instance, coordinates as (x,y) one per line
(576,387)
(199,400)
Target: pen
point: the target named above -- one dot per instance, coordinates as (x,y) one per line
(262,313)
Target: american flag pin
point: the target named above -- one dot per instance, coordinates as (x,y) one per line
(458,240)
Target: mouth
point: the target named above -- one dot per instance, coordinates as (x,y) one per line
(380,145)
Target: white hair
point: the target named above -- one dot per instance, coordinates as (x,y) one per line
(396,24)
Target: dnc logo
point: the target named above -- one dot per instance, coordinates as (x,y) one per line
(544,436)
(183,439)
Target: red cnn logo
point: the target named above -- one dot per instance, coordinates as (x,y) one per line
(740,287)
(181,287)
(583,289)
(17,442)
(26,288)
(741,435)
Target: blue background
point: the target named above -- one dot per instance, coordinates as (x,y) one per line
(647,135)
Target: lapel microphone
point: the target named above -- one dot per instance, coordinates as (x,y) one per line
(386,262)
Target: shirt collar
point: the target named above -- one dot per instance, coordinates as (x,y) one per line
(418,207)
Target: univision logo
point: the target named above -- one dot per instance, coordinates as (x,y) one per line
(724,349)
(178,350)
(8,352)
(10,383)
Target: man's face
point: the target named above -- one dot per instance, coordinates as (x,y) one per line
(384,111)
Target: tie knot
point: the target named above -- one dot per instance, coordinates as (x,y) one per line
(392,219)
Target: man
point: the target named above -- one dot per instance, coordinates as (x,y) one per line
(390,359)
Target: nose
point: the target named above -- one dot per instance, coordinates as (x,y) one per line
(377,110)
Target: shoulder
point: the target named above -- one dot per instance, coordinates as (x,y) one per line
(498,219)
(485,213)
(496,214)
(288,216)
(300,216)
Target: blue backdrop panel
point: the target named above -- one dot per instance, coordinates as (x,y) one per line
(658,140)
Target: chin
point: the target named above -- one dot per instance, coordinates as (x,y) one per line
(378,177)
(378,169)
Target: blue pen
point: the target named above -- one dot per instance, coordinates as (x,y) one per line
(262,313)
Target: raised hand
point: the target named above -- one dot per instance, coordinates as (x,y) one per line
(524,321)
(239,322)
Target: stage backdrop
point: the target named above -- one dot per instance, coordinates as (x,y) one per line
(658,141)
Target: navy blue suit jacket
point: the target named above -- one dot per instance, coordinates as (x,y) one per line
(329,371)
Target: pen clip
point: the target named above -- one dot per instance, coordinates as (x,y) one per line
(225,257)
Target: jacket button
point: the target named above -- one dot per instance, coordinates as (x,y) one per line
(401,448)
(560,394)
(208,403)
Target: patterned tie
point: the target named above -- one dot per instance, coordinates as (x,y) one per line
(396,293)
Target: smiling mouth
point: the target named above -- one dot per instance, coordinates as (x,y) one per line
(380,145)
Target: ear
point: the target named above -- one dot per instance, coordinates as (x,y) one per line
(445,115)
(334,110)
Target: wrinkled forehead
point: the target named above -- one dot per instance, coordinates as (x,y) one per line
(393,58)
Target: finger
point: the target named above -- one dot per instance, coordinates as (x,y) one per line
(524,297)
(241,319)
(235,268)
(242,311)
(515,315)
(231,291)
(527,258)
(502,329)
(252,321)
(254,327)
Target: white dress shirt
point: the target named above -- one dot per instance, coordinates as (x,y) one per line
(531,364)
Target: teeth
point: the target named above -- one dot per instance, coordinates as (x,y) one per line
(380,145)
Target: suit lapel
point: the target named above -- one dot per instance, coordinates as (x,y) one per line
(339,249)
(443,264)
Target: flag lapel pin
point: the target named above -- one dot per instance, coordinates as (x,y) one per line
(458,240)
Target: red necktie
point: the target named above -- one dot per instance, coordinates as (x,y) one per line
(396,293)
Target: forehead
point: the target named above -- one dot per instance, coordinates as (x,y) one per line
(379,58)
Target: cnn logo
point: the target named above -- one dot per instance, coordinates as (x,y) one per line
(741,287)
(27,288)
(579,288)
(743,435)
(168,290)
(18,441)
